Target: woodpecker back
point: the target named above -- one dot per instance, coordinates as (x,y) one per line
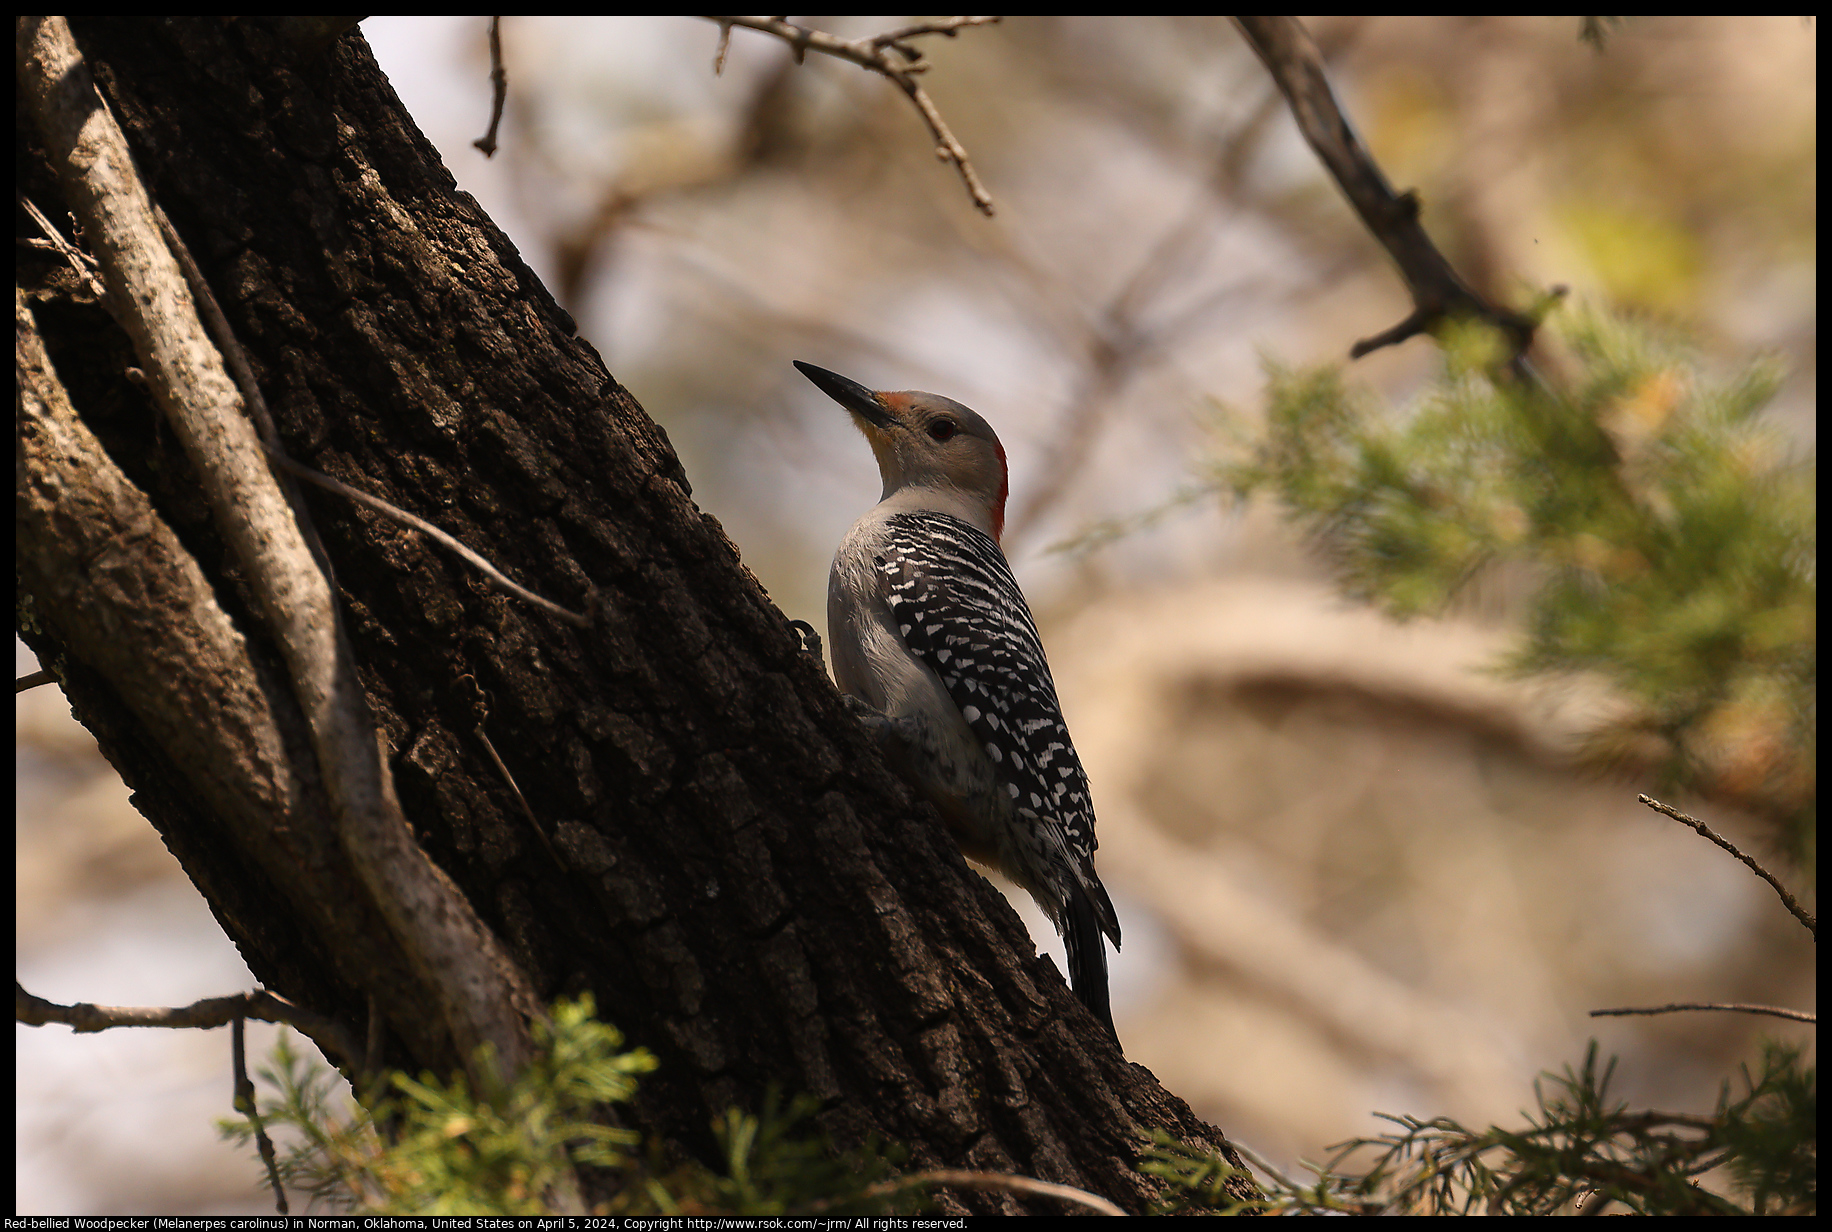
(935,648)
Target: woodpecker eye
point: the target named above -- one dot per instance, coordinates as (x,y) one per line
(943,430)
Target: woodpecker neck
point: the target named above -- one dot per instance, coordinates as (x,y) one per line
(970,507)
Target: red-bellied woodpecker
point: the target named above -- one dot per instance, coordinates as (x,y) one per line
(935,648)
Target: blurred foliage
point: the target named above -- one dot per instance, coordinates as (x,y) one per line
(1667,529)
(1580,1153)
(447,1152)
(443,1151)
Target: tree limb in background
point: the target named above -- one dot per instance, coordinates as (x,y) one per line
(1437,292)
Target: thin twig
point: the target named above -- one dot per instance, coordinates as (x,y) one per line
(997,1182)
(725,44)
(80,261)
(870,53)
(499,88)
(947,26)
(234,357)
(1806,918)
(1263,1164)
(1771,1010)
(483,717)
(244,1102)
(583,620)
(1124,333)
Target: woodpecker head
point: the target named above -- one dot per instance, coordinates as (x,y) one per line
(928,443)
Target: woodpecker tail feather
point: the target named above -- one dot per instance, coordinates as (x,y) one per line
(1081,934)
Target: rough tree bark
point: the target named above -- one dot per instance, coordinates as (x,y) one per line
(726,865)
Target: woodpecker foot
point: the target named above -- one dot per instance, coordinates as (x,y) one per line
(875,721)
(810,640)
(893,737)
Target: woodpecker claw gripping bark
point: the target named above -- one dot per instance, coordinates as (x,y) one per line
(937,654)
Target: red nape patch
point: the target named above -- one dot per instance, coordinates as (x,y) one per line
(998,506)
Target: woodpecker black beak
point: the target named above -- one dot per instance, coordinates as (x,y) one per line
(848,393)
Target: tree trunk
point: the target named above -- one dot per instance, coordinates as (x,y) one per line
(720,856)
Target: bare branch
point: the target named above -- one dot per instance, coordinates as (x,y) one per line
(262,1006)
(871,53)
(1438,294)
(33,680)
